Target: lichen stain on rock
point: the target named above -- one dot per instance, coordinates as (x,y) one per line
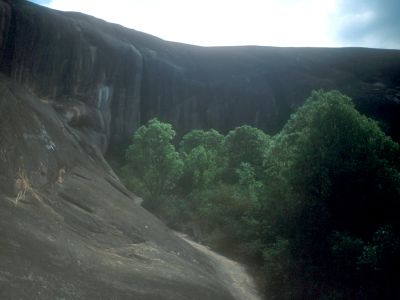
(104,94)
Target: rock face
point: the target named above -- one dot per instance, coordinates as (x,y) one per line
(111,79)
(71,85)
(69,229)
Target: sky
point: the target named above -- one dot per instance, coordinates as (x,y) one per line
(284,23)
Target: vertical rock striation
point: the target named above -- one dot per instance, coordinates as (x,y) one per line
(110,79)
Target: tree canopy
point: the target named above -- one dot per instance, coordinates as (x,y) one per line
(316,205)
(154,162)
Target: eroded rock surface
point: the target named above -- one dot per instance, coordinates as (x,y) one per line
(235,275)
(111,79)
(69,229)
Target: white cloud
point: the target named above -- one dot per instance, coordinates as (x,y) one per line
(368,23)
(219,22)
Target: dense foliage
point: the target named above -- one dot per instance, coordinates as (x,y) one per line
(153,166)
(317,203)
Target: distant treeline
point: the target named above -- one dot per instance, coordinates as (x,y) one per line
(316,205)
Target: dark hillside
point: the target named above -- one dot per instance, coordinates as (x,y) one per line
(119,78)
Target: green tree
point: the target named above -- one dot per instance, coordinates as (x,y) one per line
(340,173)
(245,144)
(383,252)
(315,201)
(210,140)
(242,212)
(344,158)
(154,162)
(200,170)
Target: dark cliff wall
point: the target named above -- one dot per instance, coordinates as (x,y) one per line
(68,228)
(110,79)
